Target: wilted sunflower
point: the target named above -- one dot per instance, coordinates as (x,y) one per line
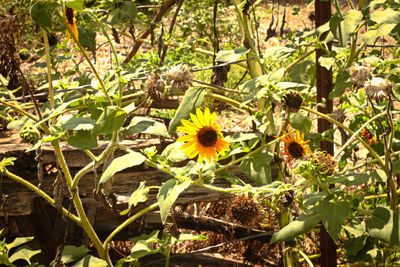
(204,137)
(378,88)
(368,136)
(292,101)
(295,147)
(70,14)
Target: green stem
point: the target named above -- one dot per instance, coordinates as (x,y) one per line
(231,101)
(350,2)
(326,117)
(299,59)
(388,163)
(127,222)
(234,162)
(48,64)
(219,89)
(356,134)
(82,50)
(96,161)
(120,88)
(105,34)
(367,163)
(19,110)
(40,193)
(248,36)
(85,224)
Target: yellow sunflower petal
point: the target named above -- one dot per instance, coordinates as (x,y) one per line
(200,117)
(196,121)
(185,138)
(207,117)
(213,118)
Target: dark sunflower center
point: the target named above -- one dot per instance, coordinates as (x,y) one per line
(69,13)
(295,150)
(293,101)
(207,136)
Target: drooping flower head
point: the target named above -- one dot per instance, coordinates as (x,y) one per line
(292,101)
(294,145)
(203,136)
(378,88)
(368,136)
(359,75)
(180,77)
(70,14)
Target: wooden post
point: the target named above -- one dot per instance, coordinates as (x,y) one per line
(324,87)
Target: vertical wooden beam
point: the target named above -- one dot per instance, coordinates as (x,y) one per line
(324,87)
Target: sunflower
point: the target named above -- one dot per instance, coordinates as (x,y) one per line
(70,14)
(295,147)
(368,136)
(204,137)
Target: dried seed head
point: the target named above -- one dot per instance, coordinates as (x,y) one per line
(180,77)
(325,162)
(245,209)
(30,134)
(339,115)
(155,86)
(359,75)
(377,88)
(292,101)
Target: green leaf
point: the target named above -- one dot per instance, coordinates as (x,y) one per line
(168,194)
(276,52)
(257,168)
(83,140)
(303,72)
(300,122)
(327,61)
(241,137)
(173,152)
(275,76)
(128,160)
(387,16)
(231,55)
(340,85)
(18,124)
(189,237)
(355,245)
(72,253)
(342,28)
(396,91)
(77,123)
(126,11)
(370,36)
(368,253)
(145,125)
(253,84)
(111,119)
(7,162)
(87,38)
(384,225)
(41,13)
(141,249)
(148,238)
(140,195)
(313,198)
(90,261)
(351,179)
(333,216)
(23,253)
(193,98)
(301,225)
(75,4)
(19,241)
